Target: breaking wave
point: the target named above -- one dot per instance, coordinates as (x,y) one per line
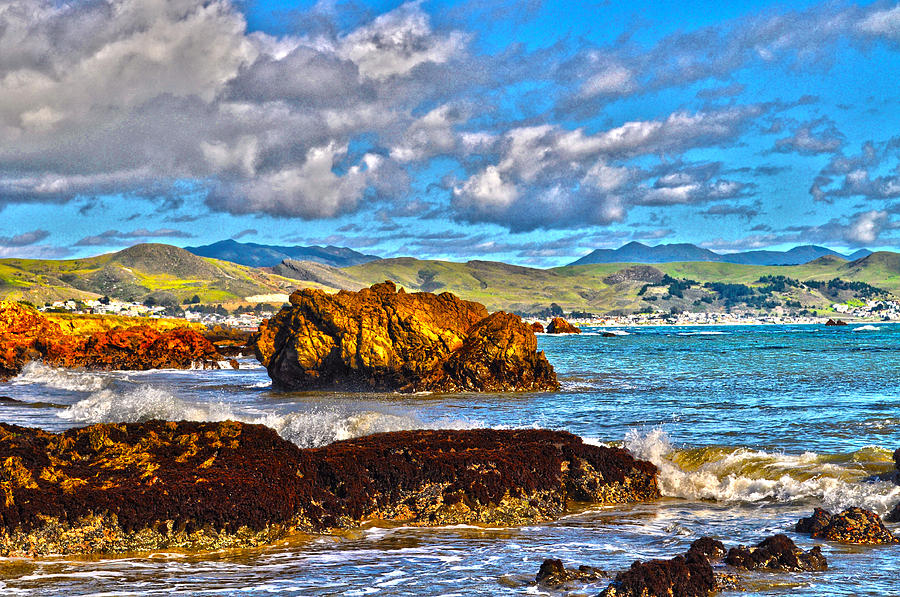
(307,429)
(60,379)
(730,474)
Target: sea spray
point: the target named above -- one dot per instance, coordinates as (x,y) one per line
(744,475)
(60,379)
(307,429)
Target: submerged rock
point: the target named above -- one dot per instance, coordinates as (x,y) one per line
(26,335)
(383,339)
(554,575)
(558,325)
(776,553)
(201,486)
(853,525)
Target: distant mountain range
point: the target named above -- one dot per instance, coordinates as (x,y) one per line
(255,255)
(635,252)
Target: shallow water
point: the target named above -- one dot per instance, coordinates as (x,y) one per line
(752,427)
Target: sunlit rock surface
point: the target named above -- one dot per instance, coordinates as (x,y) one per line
(383,339)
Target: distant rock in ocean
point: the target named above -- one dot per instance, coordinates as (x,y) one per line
(113,488)
(558,325)
(832,322)
(388,340)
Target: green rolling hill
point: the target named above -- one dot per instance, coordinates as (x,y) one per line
(163,271)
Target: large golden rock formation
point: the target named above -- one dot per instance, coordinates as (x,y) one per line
(203,486)
(26,335)
(382,339)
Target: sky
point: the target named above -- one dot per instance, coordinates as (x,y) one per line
(529,132)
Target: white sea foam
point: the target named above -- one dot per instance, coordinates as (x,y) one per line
(60,379)
(866,328)
(743,475)
(307,429)
(705,333)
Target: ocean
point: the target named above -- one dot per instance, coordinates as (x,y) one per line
(751,426)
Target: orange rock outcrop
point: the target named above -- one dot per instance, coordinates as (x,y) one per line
(383,339)
(26,335)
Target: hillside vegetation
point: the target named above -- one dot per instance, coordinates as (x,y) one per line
(167,273)
(173,274)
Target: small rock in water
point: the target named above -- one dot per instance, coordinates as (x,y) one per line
(682,576)
(234,364)
(711,548)
(537,327)
(835,322)
(554,575)
(558,325)
(776,553)
(853,525)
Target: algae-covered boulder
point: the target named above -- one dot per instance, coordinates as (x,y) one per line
(383,339)
(776,553)
(153,485)
(853,525)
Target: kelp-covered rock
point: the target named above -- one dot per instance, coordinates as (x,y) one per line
(26,335)
(142,486)
(853,525)
(690,575)
(558,325)
(776,553)
(554,575)
(382,339)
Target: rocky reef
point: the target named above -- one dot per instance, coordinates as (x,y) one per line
(388,340)
(853,525)
(27,335)
(693,574)
(558,325)
(776,553)
(200,486)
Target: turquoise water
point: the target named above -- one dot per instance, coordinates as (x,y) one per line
(751,427)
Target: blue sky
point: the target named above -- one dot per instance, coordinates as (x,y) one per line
(529,132)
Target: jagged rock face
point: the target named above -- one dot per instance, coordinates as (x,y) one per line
(26,335)
(558,325)
(853,525)
(776,553)
(382,339)
(141,486)
(499,354)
